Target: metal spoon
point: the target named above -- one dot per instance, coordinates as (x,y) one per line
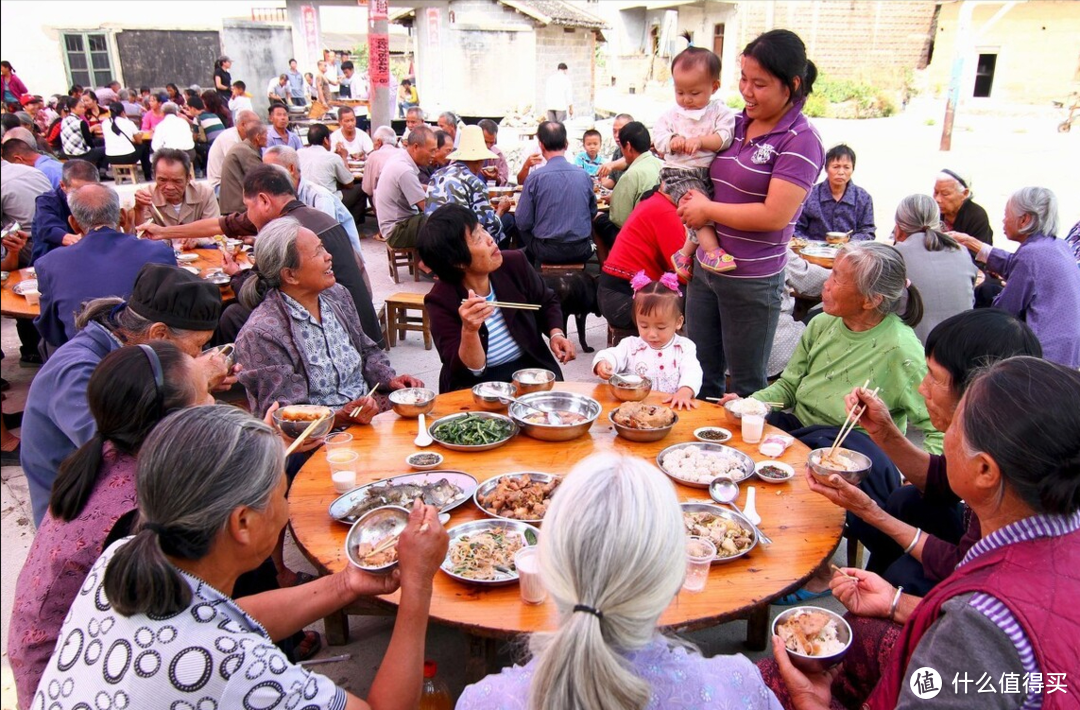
(552,417)
(726,491)
(423,438)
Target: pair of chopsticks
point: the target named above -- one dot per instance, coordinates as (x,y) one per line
(304,435)
(389,542)
(508,304)
(356,411)
(844,574)
(849,423)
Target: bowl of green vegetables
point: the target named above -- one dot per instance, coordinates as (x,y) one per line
(473,431)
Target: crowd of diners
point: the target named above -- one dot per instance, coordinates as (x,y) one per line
(971,524)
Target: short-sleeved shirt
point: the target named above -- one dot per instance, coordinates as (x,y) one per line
(211,125)
(361,142)
(210,650)
(589,165)
(322,167)
(291,139)
(398,192)
(792,151)
(335,367)
(456,184)
(642,176)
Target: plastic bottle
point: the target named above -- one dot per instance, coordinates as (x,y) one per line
(435,694)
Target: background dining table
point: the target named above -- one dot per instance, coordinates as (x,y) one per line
(805,527)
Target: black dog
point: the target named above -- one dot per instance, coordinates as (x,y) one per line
(576,291)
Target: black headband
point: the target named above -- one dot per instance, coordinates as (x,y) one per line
(159,378)
(959,179)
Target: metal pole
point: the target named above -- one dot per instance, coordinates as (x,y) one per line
(379,62)
(960,49)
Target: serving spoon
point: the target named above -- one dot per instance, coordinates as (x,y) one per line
(726,491)
(552,417)
(423,438)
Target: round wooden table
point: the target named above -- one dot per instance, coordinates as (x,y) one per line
(805,527)
(15,306)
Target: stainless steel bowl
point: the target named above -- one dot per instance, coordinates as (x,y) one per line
(491,484)
(372,528)
(816,664)
(490,402)
(820,254)
(514,429)
(530,534)
(537,380)
(726,515)
(736,418)
(642,435)
(293,428)
(854,477)
(411,402)
(555,402)
(626,389)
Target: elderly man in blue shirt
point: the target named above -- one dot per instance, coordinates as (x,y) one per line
(557,206)
(836,204)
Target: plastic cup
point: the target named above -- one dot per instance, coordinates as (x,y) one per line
(337,445)
(527,562)
(700,553)
(343,470)
(752,427)
(32,296)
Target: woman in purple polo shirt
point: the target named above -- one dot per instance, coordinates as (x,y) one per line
(759,183)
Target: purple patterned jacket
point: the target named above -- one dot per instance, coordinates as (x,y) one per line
(275,369)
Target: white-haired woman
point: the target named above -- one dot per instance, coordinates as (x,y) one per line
(303,342)
(936,265)
(1042,281)
(155,625)
(607,652)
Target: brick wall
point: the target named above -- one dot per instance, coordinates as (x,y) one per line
(575,48)
(875,41)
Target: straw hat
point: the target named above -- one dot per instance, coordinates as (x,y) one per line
(472,146)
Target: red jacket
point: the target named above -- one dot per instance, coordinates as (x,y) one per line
(13,84)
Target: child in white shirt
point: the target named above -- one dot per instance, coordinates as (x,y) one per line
(688,137)
(667,359)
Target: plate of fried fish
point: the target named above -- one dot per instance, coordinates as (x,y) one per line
(445,490)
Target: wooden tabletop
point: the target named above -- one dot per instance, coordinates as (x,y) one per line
(14,305)
(805,527)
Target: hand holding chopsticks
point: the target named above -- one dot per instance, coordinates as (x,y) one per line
(305,434)
(356,410)
(508,304)
(849,423)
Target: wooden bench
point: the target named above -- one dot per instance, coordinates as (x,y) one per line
(399,320)
(124,174)
(403,256)
(380,312)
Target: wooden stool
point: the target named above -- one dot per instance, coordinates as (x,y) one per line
(614,335)
(399,320)
(403,256)
(381,313)
(124,174)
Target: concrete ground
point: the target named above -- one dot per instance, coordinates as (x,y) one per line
(896,156)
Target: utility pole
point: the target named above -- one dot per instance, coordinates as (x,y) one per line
(960,49)
(379,62)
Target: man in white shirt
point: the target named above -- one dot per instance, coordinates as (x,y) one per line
(385,148)
(239,102)
(332,72)
(330,170)
(226,140)
(448,122)
(349,141)
(278,89)
(557,97)
(173,132)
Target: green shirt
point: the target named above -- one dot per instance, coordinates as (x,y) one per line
(831,360)
(642,176)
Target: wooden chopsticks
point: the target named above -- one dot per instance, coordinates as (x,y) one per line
(849,423)
(774,405)
(509,304)
(356,411)
(304,435)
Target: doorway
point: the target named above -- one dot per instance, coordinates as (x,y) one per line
(718,43)
(984,75)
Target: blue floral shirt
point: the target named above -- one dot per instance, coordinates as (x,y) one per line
(457,185)
(335,368)
(680,679)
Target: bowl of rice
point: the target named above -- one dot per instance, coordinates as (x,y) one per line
(697,465)
(816,639)
(736,408)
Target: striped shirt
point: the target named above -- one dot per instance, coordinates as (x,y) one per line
(741,173)
(502,348)
(1032,528)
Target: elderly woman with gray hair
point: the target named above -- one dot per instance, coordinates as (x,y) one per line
(1042,282)
(157,606)
(607,651)
(936,265)
(303,343)
(863,336)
